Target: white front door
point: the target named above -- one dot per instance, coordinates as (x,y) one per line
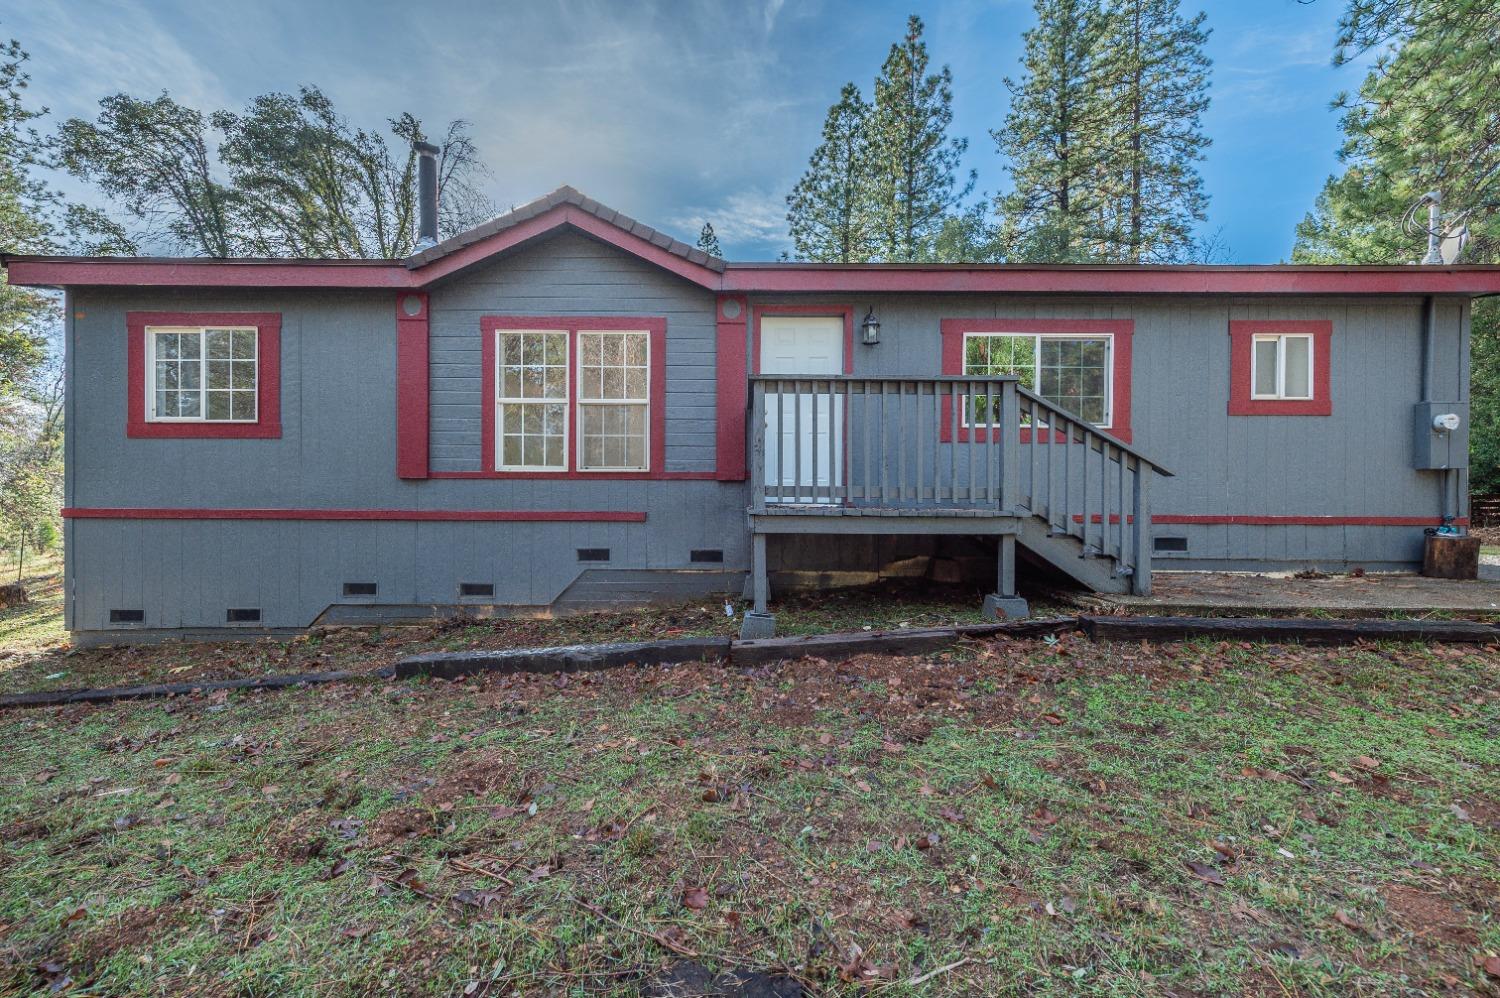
(805,432)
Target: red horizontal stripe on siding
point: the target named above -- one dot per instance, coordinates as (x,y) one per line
(1306,521)
(440,515)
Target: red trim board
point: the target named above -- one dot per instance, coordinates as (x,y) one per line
(424,515)
(412,384)
(814,311)
(268,376)
(1122,332)
(1242,520)
(1242,333)
(621,516)
(732,387)
(571,324)
(584,221)
(739,278)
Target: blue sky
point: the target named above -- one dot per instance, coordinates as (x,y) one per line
(675,112)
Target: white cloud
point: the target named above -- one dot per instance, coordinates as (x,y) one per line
(752,218)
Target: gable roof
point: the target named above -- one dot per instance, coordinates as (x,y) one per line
(568,207)
(564,196)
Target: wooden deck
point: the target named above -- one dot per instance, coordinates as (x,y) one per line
(815,518)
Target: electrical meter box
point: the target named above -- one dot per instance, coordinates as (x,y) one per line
(1441,435)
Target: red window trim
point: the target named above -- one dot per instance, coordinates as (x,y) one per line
(1242,333)
(1121,330)
(489,325)
(846,312)
(268,376)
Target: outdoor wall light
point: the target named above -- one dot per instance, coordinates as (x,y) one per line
(871,327)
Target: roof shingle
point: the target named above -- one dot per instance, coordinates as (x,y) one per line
(564,195)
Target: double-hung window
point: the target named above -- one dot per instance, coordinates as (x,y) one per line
(575,399)
(202,374)
(614,400)
(1070,371)
(1282,367)
(533,400)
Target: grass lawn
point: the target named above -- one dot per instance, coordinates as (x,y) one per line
(1037,817)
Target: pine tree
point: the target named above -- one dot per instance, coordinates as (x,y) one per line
(708,242)
(914,186)
(1053,136)
(1155,74)
(1426,117)
(828,212)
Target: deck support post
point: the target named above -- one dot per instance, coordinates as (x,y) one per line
(1004,603)
(758,622)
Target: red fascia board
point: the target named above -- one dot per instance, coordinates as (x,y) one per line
(1133,280)
(579,219)
(423,515)
(104,272)
(34,271)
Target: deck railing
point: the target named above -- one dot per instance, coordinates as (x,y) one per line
(949,443)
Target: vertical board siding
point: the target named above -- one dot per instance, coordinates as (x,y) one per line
(1355,462)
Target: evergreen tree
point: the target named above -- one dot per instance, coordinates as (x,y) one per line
(1426,117)
(914,186)
(1053,137)
(1155,75)
(708,242)
(829,211)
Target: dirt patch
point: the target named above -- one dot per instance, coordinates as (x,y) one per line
(402,823)
(1429,916)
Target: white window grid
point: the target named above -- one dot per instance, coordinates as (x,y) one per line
(512,393)
(203,373)
(1109,365)
(602,386)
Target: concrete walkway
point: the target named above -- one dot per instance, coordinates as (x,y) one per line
(1182,592)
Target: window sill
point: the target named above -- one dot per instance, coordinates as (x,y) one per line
(203,431)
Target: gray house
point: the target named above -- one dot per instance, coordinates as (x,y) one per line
(565,409)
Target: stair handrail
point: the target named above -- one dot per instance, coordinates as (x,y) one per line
(1089,427)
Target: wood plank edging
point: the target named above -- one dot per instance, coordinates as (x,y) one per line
(832,647)
(1288,630)
(57,698)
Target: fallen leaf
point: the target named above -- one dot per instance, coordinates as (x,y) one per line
(1343,918)
(1365,762)
(1491,965)
(695,898)
(1205,873)
(1338,777)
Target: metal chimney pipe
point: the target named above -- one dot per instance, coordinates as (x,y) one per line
(427,194)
